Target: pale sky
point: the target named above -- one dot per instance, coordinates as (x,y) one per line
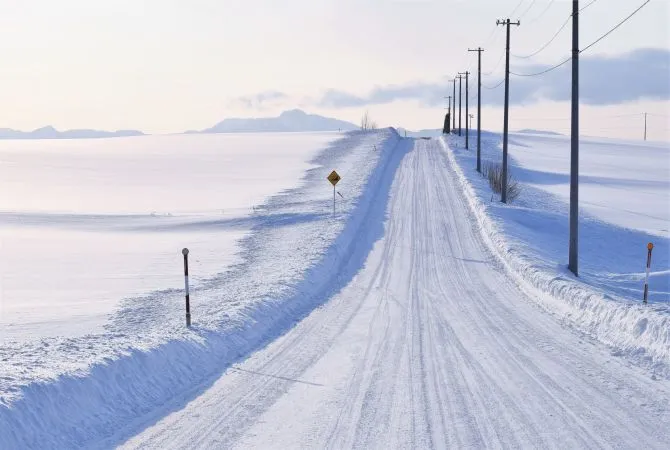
(165,66)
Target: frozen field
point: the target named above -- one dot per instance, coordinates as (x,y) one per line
(85,224)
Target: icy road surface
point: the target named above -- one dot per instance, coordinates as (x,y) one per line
(430,346)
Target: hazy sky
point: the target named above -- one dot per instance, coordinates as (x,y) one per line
(171,65)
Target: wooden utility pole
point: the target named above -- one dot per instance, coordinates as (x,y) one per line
(507,23)
(467,95)
(479,51)
(574,146)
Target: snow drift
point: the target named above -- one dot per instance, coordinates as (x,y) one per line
(77,391)
(525,238)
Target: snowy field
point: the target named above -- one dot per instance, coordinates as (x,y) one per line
(85,224)
(625,203)
(88,386)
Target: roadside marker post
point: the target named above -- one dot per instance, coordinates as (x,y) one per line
(188,305)
(334,178)
(650,247)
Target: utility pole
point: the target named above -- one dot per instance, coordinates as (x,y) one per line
(574,146)
(506,22)
(453,128)
(479,51)
(447,119)
(467,129)
(645,126)
(460,99)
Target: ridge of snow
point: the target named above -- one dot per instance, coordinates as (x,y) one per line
(146,358)
(640,333)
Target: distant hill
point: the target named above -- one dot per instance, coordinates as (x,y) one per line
(531,131)
(50,132)
(293,120)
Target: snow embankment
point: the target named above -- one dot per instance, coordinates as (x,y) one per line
(530,239)
(74,392)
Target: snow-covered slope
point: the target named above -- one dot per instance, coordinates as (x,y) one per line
(70,392)
(624,195)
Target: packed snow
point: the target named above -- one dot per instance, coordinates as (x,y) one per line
(625,202)
(87,223)
(430,345)
(88,387)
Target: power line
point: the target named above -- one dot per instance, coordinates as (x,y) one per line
(542,72)
(494,87)
(589,4)
(585,48)
(541,14)
(615,27)
(514,10)
(547,44)
(490,36)
(527,9)
(502,55)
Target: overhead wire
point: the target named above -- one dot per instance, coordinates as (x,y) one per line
(541,14)
(493,87)
(547,43)
(486,74)
(541,72)
(615,27)
(585,48)
(527,9)
(589,4)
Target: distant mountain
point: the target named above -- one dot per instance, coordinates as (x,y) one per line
(294,120)
(50,132)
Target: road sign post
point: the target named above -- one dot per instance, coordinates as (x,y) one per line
(334,178)
(650,247)
(188,305)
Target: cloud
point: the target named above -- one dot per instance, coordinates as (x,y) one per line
(604,80)
(260,101)
(428,94)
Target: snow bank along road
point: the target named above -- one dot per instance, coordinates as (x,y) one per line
(430,345)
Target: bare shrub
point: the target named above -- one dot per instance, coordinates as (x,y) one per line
(367,123)
(493,173)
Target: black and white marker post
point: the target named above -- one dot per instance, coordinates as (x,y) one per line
(650,247)
(188,305)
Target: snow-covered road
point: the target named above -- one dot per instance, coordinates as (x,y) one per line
(429,346)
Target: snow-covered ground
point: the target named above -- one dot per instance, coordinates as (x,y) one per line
(409,318)
(430,345)
(87,223)
(625,203)
(86,387)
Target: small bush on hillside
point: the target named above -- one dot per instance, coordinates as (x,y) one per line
(493,173)
(367,123)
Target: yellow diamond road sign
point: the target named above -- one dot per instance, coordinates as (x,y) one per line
(334,178)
